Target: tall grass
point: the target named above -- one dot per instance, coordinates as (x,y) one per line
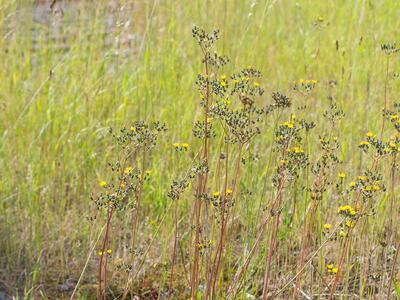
(64,82)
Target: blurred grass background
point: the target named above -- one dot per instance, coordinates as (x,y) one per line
(68,74)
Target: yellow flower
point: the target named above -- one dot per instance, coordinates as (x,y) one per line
(352,184)
(133,128)
(100,253)
(216,194)
(376,187)
(370,134)
(109,251)
(342,233)
(330,266)
(342,175)
(256,84)
(320,19)
(335,270)
(394,117)
(327,226)
(362,178)
(368,188)
(128,170)
(288,124)
(364,143)
(185,145)
(103,183)
(176,145)
(350,223)
(223,83)
(283,161)
(229,191)
(392,145)
(223,77)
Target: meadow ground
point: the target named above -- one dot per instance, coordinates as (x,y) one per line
(248,194)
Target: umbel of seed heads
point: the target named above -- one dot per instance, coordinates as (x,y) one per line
(390,49)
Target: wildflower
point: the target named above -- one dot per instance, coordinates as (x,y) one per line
(320,19)
(327,226)
(364,143)
(394,117)
(350,223)
(352,184)
(288,124)
(100,253)
(216,194)
(223,77)
(342,233)
(283,161)
(362,178)
(128,170)
(347,210)
(103,183)
(342,175)
(229,191)
(368,188)
(392,145)
(133,128)
(370,134)
(335,270)
(256,84)
(376,187)
(109,251)
(176,145)
(185,146)
(330,266)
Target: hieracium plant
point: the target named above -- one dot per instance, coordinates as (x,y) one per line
(121,188)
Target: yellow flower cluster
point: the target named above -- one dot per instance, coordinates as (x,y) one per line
(347,210)
(128,170)
(288,124)
(179,146)
(332,269)
(296,150)
(327,226)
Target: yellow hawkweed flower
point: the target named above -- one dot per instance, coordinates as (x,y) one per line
(100,253)
(109,251)
(392,145)
(223,83)
(394,117)
(352,184)
(216,194)
(103,183)
(342,175)
(364,143)
(362,178)
(256,84)
(368,188)
(128,170)
(133,128)
(176,145)
(327,226)
(330,266)
(229,191)
(350,223)
(342,233)
(223,77)
(370,134)
(185,145)
(335,270)
(376,187)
